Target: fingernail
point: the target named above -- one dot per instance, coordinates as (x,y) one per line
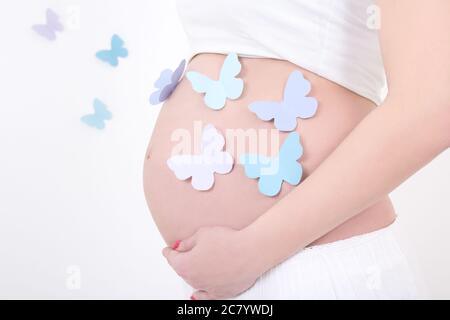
(176,244)
(193,298)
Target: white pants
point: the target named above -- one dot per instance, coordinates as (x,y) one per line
(369,266)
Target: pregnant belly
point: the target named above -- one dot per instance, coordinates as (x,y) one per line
(234,200)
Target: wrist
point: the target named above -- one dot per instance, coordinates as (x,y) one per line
(258,255)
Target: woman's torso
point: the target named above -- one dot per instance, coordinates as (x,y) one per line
(234,200)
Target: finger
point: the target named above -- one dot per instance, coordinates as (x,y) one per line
(186,244)
(175,260)
(170,254)
(201,295)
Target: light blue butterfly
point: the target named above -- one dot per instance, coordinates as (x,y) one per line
(117,50)
(273,171)
(217,91)
(101,114)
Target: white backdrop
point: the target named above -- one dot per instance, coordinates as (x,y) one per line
(71,198)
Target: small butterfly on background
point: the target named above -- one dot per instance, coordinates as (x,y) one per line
(202,167)
(271,172)
(167,83)
(294,105)
(49,29)
(217,91)
(117,51)
(98,118)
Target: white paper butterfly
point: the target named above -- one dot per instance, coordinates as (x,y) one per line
(201,168)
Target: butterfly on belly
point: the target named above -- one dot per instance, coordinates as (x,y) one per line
(271,172)
(167,83)
(112,55)
(202,167)
(98,118)
(49,29)
(295,104)
(217,91)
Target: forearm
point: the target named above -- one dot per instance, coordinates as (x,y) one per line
(388,146)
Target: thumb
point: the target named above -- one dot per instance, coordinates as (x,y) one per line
(187,244)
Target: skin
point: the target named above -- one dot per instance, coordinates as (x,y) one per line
(400,137)
(240,201)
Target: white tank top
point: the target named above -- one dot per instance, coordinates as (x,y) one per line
(331,38)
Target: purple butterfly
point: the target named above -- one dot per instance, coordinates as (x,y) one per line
(294,105)
(49,29)
(167,83)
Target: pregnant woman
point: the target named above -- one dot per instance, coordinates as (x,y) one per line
(329,236)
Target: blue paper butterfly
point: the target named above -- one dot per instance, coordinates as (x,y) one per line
(217,91)
(273,171)
(294,105)
(117,50)
(101,114)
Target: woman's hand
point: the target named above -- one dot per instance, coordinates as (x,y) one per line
(219,262)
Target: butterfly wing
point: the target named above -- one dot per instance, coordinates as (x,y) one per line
(167,91)
(265,110)
(108,57)
(101,110)
(285,119)
(271,178)
(212,140)
(181,165)
(172,82)
(178,73)
(222,163)
(295,101)
(117,47)
(212,145)
(192,166)
(292,172)
(268,110)
(233,86)
(101,113)
(215,96)
(155,98)
(93,121)
(291,148)
(44,31)
(264,168)
(163,81)
(200,83)
(270,185)
(253,164)
(53,21)
(117,50)
(308,108)
(49,29)
(272,171)
(201,168)
(291,151)
(202,180)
